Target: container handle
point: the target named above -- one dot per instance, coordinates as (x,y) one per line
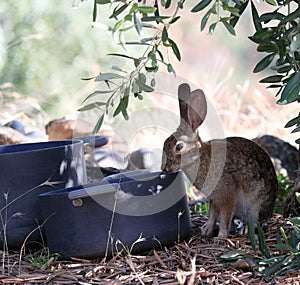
(94,141)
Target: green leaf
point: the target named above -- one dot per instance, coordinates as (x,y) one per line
(290,17)
(156,13)
(271,260)
(146,9)
(267,47)
(126,95)
(98,124)
(272,2)
(95,11)
(128,18)
(134,87)
(232,10)
(241,8)
(165,35)
(160,55)
(251,233)
(154,19)
(144,86)
(125,114)
(101,2)
(91,106)
(153,82)
(214,10)
(283,234)
(89,78)
(175,49)
(117,11)
(118,24)
(284,69)
(262,242)
(270,16)
(229,28)
(141,43)
(272,79)
(171,69)
(137,22)
(264,63)
(121,107)
(108,76)
(291,89)
(275,86)
(142,77)
(201,5)
(175,19)
(151,68)
(282,247)
(292,96)
(117,68)
(121,55)
(204,20)
(233,254)
(167,4)
(294,121)
(180,4)
(262,36)
(95,94)
(212,27)
(273,268)
(255,18)
(296,130)
(282,49)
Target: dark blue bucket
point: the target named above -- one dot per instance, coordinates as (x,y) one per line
(27,170)
(134,213)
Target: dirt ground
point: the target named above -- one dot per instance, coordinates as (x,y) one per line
(197,260)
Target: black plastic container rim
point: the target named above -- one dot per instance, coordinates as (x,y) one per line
(94,141)
(36,146)
(105,186)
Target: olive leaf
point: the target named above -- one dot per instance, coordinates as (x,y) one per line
(264,63)
(201,5)
(98,124)
(108,76)
(91,106)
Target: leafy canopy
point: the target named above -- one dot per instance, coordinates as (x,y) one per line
(277,35)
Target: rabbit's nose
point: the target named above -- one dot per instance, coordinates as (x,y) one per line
(167,168)
(164,167)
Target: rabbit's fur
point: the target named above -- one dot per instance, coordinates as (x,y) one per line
(236,174)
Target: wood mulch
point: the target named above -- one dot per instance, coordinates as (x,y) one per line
(195,261)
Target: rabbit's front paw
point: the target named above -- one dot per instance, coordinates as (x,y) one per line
(208,229)
(223,234)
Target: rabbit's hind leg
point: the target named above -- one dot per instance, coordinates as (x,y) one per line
(209,227)
(226,214)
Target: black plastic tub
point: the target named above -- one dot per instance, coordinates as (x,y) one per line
(28,170)
(135,213)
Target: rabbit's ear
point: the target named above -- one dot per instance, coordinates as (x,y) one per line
(183,95)
(196,109)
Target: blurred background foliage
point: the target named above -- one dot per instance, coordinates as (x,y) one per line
(46,47)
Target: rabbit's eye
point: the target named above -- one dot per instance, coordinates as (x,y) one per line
(179,146)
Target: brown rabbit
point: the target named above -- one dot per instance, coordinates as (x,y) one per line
(235,174)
